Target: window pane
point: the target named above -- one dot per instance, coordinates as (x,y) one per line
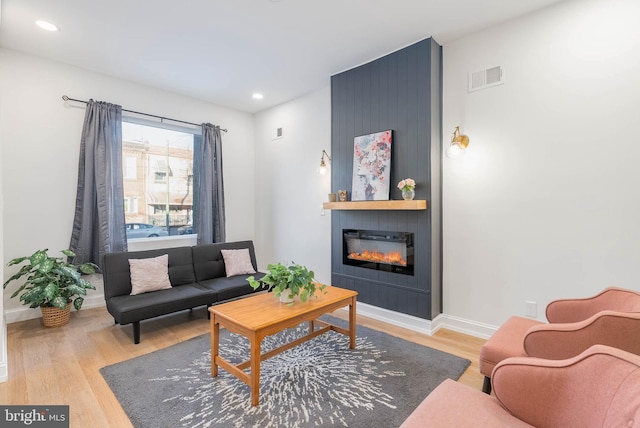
(158,186)
(130,172)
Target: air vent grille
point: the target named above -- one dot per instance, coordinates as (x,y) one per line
(486,78)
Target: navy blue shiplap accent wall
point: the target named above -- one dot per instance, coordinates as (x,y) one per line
(402,92)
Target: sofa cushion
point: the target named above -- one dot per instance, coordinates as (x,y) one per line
(117,277)
(126,309)
(208,262)
(232,287)
(237,262)
(506,342)
(150,274)
(453,404)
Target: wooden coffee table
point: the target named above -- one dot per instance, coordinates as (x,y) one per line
(262,315)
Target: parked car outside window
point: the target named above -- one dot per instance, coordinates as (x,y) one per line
(143,230)
(185,230)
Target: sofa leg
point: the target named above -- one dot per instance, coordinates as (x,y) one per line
(136,332)
(486,386)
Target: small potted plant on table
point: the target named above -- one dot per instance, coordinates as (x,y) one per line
(287,282)
(51,284)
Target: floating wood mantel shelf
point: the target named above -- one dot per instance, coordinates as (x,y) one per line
(420,204)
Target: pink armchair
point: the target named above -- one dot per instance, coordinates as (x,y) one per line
(598,388)
(612,318)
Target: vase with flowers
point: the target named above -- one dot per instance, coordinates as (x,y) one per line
(407,186)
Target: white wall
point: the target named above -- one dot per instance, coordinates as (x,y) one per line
(545,204)
(40,138)
(4,372)
(289,190)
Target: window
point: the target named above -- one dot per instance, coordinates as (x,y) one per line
(130,205)
(130,172)
(158,173)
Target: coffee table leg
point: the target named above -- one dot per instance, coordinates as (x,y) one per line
(215,340)
(255,369)
(352,323)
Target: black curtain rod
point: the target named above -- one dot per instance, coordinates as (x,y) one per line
(66,98)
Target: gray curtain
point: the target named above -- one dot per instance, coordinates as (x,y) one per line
(208,187)
(99,224)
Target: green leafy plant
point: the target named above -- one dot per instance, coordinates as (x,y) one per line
(296,278)
(51,281)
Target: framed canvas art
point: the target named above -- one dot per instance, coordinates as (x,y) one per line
(371,167)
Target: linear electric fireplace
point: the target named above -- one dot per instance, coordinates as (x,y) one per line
(375,249)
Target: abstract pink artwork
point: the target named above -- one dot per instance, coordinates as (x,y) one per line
(371,167)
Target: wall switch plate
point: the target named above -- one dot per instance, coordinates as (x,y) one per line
(531,309)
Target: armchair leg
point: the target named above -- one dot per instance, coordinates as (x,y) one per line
(136,332)
(486,385)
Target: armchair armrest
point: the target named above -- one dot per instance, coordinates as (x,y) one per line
(612,298)
(593,389)
(558,341)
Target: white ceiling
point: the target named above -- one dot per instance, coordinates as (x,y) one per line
(224,50)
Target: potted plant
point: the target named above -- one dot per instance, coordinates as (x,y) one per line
(51,284)
(287,282)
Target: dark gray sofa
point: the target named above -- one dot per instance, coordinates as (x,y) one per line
(197,276)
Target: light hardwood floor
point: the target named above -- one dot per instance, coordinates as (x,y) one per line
(61,365)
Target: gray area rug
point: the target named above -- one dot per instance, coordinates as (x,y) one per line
(318,383)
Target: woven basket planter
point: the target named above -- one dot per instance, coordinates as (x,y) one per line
(55,317)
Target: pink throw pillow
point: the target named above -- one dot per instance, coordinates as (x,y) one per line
(237,262)
(149,274)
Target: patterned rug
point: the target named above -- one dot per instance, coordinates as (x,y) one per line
(318,383)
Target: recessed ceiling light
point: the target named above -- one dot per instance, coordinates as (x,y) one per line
(45,25)
(257,96)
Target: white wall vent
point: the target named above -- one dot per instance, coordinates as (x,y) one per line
(486,78)
(278,133)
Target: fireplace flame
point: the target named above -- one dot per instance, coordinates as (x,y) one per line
(391,258)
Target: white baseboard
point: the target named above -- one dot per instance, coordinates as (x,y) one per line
(409,322)
(462,325)
(4,368)
(26,313)
(420,325)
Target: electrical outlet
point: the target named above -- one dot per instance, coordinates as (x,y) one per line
(531,309)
